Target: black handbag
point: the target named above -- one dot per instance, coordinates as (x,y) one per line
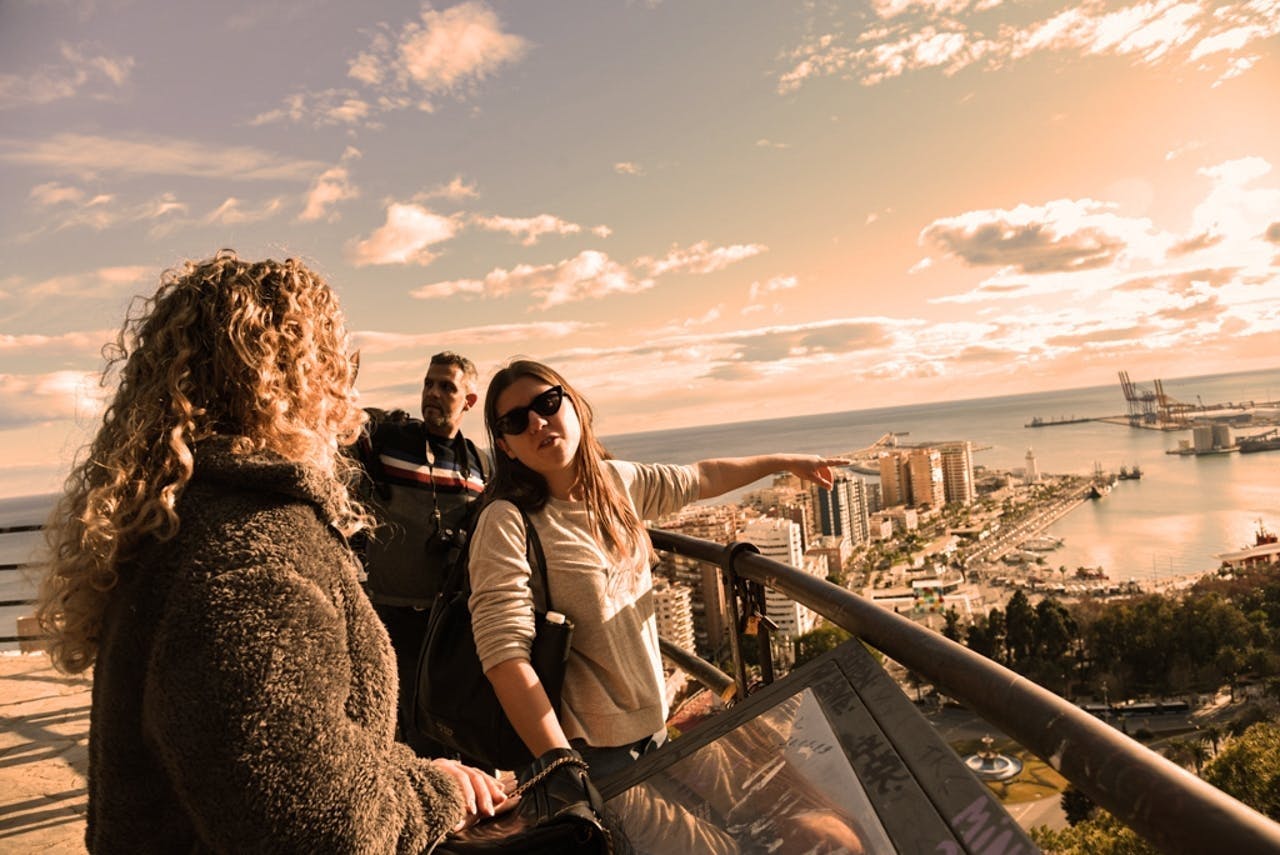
(559,814)
(455,704)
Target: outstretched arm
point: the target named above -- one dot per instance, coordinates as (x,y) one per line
(722,474)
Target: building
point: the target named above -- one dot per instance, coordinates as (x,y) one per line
(957,472)
(779,539)
(836,551)
(895,482)
(673,608)
(842,510)
(925,469)
(1031,475)
(708,603)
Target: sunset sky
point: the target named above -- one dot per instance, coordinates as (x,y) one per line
(698,210)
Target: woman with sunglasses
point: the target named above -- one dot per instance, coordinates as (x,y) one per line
(587,510)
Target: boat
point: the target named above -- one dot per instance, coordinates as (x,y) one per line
(1099,489)
(1269,441)
(1127,474)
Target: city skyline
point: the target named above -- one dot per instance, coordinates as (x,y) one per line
(699,213)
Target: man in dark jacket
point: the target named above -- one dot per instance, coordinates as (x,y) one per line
(422,478)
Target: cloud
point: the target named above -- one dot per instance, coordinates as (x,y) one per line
(626,167)
(330,107)
(1273,232)
(80,72)
(952,35)
(404,238)
(1062,235)
(103,282)
(456,48)
(531,229)
(590,275)
(374,342)
(232,212)
(331,187)
(448,52)
(701,257)
(27,399)
(54,193)
(65,346)
(90,155)
(1101,335)
(1204,240)
(456,190)
(825,337)
(766,143)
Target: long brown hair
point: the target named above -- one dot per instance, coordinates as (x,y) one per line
(618,528)
(255,350)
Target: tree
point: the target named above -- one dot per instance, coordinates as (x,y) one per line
(815,642)
(1076,805)
(951,629)
(1249,768)
(1020,628)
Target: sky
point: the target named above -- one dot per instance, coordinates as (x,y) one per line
(699,212)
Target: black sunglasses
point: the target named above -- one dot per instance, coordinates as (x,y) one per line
(516,421)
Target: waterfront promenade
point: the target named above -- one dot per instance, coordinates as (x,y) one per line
(44,737)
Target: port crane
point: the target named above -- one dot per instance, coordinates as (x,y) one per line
(1148,406)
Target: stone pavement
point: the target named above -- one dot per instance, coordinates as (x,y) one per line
(44,738)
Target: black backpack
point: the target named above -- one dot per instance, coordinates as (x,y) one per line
(455,703)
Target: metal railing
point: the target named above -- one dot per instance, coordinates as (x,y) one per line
(1170,807)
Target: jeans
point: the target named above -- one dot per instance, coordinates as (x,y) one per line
(606,762)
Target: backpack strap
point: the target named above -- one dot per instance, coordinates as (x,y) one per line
(536,558)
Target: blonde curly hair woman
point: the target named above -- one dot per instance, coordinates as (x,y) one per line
(244,690)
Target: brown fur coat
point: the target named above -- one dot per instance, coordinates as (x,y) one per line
(244,696)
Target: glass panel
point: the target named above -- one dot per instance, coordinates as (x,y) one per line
(779,784)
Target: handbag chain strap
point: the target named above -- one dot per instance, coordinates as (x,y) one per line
(551,767)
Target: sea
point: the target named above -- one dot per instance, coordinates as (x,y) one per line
(1174,521)
(1183,512)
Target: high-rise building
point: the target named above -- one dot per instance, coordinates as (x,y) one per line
(719,524)
(842,510)
(924,466)
(957,471)
(895,481)
(673,608)
(780,540)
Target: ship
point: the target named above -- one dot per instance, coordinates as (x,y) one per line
(1102,482)
(1134,474)
(1269,441)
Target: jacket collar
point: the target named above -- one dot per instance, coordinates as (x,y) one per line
(267,471)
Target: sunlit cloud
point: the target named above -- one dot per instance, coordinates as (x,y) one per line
(81,71)
(405,238)
(700,257)
(626,167)
(456,190)
(233,212)
(444,53)
(331,187)
(377,343)
(951,36)
(590,275)
(104,282)
(1062,235)
(531,229)
(35,398)
(65,207)
(91,155)
(328,107)
(65,346)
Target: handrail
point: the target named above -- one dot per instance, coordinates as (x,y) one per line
(1166,804)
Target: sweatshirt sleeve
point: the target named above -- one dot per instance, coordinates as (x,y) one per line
(501,600)
(248,704)
(657,489)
